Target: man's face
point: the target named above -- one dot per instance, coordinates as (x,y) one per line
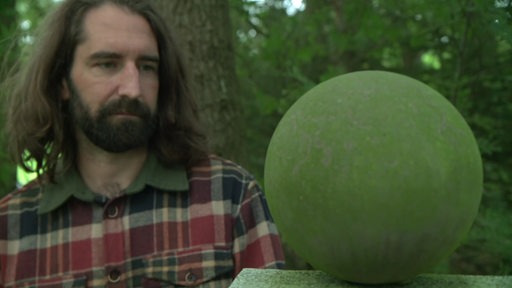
(113,84)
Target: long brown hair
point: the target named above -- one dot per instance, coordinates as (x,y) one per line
(37,124)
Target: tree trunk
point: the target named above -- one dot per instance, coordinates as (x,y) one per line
(204,34)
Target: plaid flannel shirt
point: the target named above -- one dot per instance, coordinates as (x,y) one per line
(171,227)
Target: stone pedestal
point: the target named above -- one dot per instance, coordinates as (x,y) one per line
(259,278)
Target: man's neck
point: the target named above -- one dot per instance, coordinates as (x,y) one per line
(109,173)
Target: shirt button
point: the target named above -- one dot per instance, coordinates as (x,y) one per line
(112,211)
(190,277)
(114,276)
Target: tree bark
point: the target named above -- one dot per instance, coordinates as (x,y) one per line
(204,34)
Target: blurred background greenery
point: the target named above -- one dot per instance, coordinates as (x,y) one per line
(461,48)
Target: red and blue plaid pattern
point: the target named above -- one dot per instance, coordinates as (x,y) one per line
(202,237)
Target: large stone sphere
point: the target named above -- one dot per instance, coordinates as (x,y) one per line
(373,177)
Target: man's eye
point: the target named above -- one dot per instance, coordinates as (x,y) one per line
(107,65)
(149,67)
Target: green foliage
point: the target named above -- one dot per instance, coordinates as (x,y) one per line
(7,28)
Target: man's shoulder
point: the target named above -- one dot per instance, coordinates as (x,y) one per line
(223,178)
(216,166)
(25,197)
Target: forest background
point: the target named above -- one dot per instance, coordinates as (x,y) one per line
(273,54)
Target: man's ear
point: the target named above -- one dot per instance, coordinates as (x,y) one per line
(64,91)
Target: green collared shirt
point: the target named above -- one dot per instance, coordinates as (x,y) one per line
(153,173)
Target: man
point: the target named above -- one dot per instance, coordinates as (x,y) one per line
(127,194)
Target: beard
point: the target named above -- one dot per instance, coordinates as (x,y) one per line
(113,135)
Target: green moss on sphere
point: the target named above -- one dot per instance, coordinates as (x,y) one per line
(373,177)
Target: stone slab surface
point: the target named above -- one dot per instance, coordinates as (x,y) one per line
(259,278)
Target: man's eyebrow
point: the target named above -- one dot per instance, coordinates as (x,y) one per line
(150,58)
(104,55)
(115,55)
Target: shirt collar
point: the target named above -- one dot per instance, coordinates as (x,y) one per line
(153,173)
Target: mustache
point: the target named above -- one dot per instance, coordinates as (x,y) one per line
(125,106)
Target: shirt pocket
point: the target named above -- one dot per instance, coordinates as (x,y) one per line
(189,267)
(64,281)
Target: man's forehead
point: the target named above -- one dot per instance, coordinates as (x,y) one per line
(111,26)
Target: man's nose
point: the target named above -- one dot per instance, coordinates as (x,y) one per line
(129,81)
